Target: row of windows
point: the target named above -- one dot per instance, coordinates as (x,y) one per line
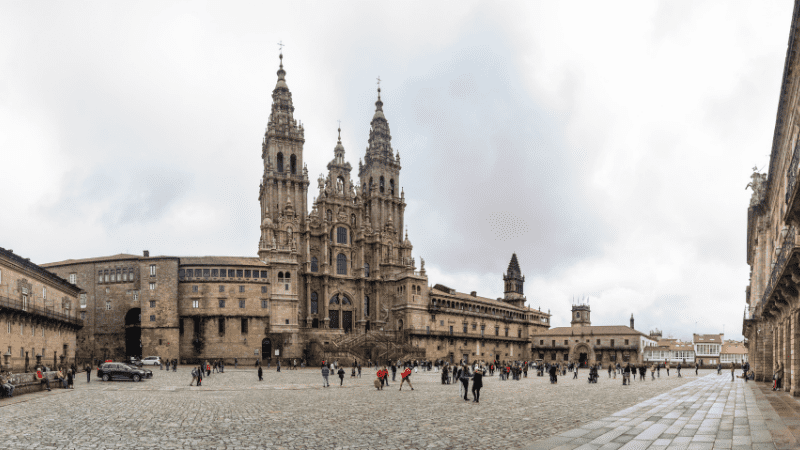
(196,289)
(32,328)
(415,290)
(478,309)
(222,303)
(118,275)
(221,273)
(708,349)
(566,342)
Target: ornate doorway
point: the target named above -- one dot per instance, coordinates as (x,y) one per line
(584,359)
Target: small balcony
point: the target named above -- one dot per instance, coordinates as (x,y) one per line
(33,311)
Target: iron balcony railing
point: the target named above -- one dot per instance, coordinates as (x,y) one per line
(786,248)
(792,175)
(29,308)
(749,312)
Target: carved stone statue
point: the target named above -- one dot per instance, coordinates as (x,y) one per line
(758,184)
(421,264)
(321,182)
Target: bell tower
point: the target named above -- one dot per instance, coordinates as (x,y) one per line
(581,316)
(514,281)
(284,186)
(380,177)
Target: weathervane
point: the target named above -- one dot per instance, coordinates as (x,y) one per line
(280,45)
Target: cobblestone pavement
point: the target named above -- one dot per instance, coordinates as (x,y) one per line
(711,412)
(290,409)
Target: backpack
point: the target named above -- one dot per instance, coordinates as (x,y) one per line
(194,372)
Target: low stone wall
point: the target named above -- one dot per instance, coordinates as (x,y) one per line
(25,383)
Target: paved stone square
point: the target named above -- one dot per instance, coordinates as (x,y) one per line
(290,409)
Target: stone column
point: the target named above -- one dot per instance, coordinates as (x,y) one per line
(795,354)
(787,362)
(323,305)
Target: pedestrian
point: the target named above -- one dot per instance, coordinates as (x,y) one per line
(200,375)
(626,375)
(175,365)
(696,368)
(679,370)
(666,366)
(658,370)
(341,376)
(465,381)
(385,376)
(70,379)
(477,384)
(325,373)
(278,365)
(5,383)
(88,373)
(733,367)
(653,372)
(719,368)
(194,376)
(235,363)
(609,371)
(260,374)
(359,370)
(575,376)
(406,378)
(394,371)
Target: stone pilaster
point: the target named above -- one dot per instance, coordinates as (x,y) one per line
(795,354)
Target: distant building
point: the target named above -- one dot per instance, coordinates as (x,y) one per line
(587,344)
(37,314)
(707,348)
(672,351)
(733,352)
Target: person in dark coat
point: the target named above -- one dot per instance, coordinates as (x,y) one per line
(465,376)
(88,373)
(341,377)
(260,374)
(477,384)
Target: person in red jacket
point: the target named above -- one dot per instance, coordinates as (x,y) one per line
(406,378)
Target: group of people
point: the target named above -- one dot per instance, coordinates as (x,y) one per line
(170,362)
(205,369)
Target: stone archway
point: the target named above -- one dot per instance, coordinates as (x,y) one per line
(133,333)
(582,354)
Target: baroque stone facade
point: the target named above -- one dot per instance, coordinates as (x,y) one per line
(771,322)
(37,315)
(338,281)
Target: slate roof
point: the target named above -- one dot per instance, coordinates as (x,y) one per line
(27,264)
(733,347)
(117,257)
(707,338)
(477,299)
(593,329)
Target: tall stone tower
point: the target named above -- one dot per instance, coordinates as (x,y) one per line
(282,195)
(384,201)
(581,316)
(514,281)
(380,176)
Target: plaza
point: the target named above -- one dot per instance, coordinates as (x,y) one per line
(292,410)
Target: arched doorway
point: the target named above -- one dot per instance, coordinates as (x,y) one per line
(133,333)
(582,355)
(266,349)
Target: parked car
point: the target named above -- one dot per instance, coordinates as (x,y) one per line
(136,361)
(152,361)
(116,370)
(148,372)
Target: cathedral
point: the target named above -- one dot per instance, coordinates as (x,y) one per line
(336,281)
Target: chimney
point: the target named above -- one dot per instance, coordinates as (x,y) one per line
(474,293)
(631,321)
(146,254)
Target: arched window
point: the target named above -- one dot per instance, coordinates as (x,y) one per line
(280,162)
(364,188)
(293,165)
(381,185)
(346,301)
(280,277)
(366,306)
(391,187)
(366,270)
(314,264)
(341,235)
(370,184)
(314,303)
(334,300)
(341,264)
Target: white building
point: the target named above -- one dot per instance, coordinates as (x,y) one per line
(707,348)
(733,352)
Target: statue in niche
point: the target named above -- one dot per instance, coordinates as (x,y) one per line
(289,234)
(339,186)
(421,263)
(321,182)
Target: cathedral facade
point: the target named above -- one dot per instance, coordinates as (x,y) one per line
(336,281)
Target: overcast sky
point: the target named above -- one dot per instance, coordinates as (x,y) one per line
(607,144)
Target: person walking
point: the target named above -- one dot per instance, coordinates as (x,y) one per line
(235,363)
(341,376)
(394,371)
(325,373)
(733,377)
(175,365)
(626,375)
(679,370)
(359,370)
(278,365)
(70,379)
(194,376)
(719,368)
(658,370)
(666,366)
(696,368)
(477,384)
(653,372)
(88,373)
(406,378)
(200,375)
(260,373)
